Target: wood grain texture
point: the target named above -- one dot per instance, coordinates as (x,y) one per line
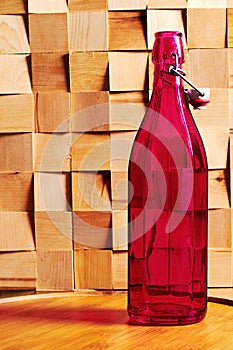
(128,71)
(16,113)
(220,272)
(119,190)
(52,191)
(219,195)
(52,112)
(90,152)
(13,6)
(127,5)
(201,36)
(230,27)
(205,70)
(120,270)
(14,74)
(220,235)
(230,65)
(54,270)
(230,3)
(120,230)
(127,30)
(47,6)
(88,31)
(16,231)
(217,113)
(16,191)
(48,32)
(169,4)
(53,230)
(92,229)
(72,319)
(87,5)
(89,111)
(52,152)
(50,72)
(160,20)
(207,4)
(219,159)
(89,71)
(13,37)
(18,270)
(121,144)
(91,191)
(93,269)
(13,157)
(127,110)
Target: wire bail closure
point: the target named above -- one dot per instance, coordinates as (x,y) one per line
(175,70)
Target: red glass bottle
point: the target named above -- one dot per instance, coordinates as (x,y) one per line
(168,209)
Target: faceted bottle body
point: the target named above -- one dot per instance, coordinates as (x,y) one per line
(168,207)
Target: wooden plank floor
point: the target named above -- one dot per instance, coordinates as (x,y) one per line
(73,321)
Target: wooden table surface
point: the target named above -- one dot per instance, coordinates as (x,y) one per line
(73,321)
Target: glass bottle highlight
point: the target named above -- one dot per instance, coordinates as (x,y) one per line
(168,206)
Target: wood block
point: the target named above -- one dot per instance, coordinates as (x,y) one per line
(217,156)
(230,65)
(50,72)
(207,4)
(231,108)
(52,191)
(13,35)
(53,231)
(18,270)
(216,114)
(220,269)
(92,229)
(205,70)
(89,111)
(54,270)
(16,113)
(93,269)
(128,71)
(230,27)
(91,191)
(160,20)
(219,188)
(170,4)
(120,270)
(88,31)
(47,6)
(14,74)
(90,152)
(201,36)
(119,190)
(229,3)
(89,71)
(52,152)
(52,112)
(13,157)
(16,231)
(127,5)
(120,229)
(13,7)
(127,109)
(127,30)
(16,192)
(219,221)
(87,5)
(121,145)
(48,32)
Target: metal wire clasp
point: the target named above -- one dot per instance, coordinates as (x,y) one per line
(175,70)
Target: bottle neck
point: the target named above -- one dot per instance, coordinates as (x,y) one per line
(164,79)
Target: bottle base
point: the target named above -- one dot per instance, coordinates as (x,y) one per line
(161,315)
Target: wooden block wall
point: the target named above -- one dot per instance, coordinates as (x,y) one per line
(76,77)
